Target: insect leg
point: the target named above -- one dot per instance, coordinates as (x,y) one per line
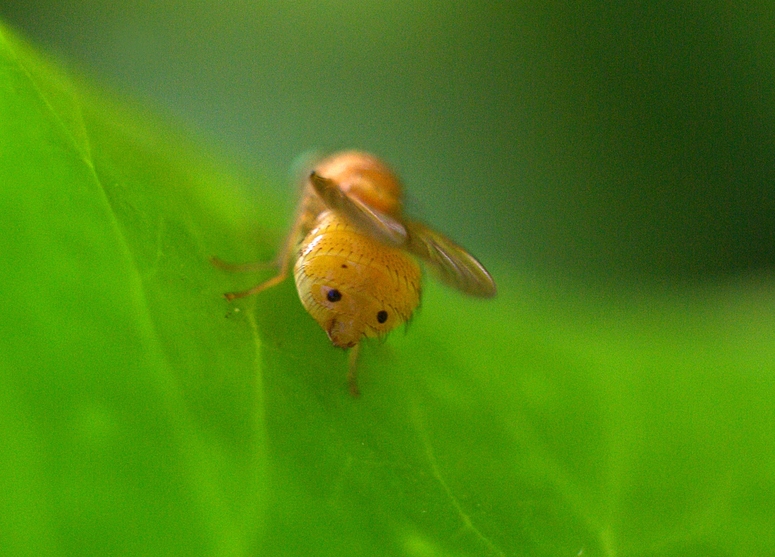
(282,263)
(274,281)
(352,369)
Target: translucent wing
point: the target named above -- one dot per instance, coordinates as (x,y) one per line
(379,226)
(451,263)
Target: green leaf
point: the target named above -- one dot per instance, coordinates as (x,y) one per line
(140,413)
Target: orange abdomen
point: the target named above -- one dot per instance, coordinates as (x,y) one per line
(353,285)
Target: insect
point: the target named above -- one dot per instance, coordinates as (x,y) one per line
(355,254)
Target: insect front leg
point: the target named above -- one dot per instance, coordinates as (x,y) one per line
(282,262)
(352,370)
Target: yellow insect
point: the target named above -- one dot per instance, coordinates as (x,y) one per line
(353,250)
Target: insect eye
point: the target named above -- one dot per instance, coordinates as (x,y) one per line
(334,295)
(382,316)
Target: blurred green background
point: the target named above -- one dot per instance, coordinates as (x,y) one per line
(597,140)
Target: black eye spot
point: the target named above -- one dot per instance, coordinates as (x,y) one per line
(382,316)
(334,295)
(344,266)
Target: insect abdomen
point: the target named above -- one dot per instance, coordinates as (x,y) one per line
(377,286)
